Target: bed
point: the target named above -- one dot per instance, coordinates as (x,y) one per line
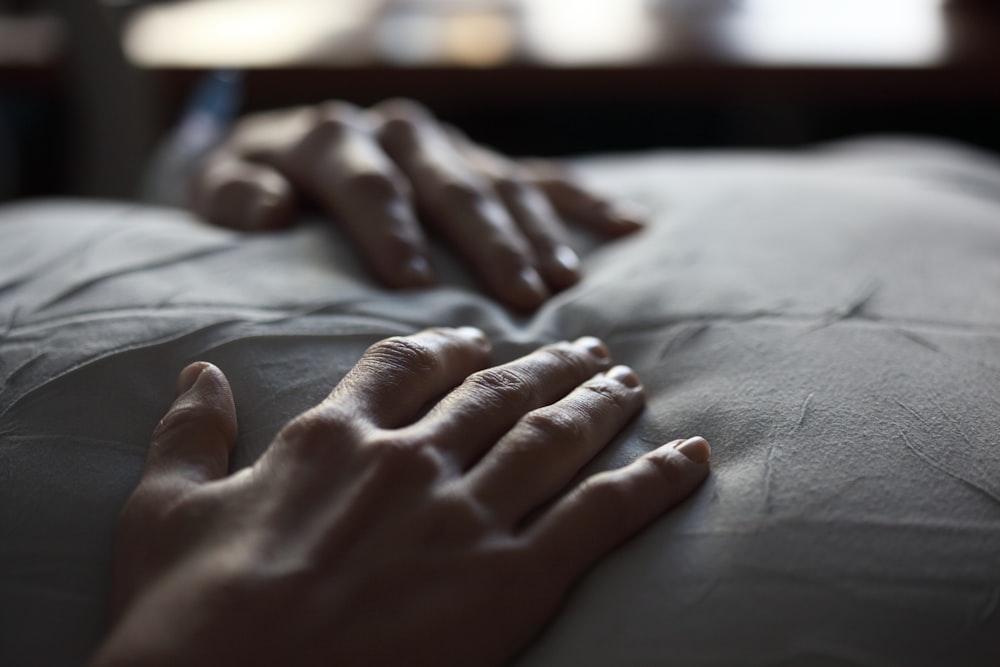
(829,319)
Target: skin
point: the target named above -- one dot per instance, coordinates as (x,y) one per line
(425,513)
(393,173)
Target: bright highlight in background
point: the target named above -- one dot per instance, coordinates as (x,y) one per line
(563,32)
(244,33)
(843,32)
(488,33)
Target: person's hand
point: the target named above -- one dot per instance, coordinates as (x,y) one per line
(425,513)
(374,170)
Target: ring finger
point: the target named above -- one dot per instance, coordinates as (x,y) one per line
(480,411)
(549,446)
(530,209)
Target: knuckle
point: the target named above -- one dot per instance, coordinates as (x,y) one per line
(500,386)
(460,517)
(608,393)
(462,194)
(567,356)
(337,110)
(231,180)
(507,249)
(397,460)
(398,131)
(327,128)
(191,415)
(404,353)
(399,108)
(607,492)
(510,186)
(667,468)
(185,512)
(224,191)
(314,431)
(371,184)
(556,425)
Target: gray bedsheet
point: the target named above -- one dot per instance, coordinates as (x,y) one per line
(829,320)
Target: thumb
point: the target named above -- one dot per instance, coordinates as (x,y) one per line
(191,444)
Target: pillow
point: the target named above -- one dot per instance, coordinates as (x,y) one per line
(828,320)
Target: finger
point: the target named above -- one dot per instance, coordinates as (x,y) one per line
(474,416)
(460,205)
(232,192)
(576,202)
(549,446)
(398,376)
(530,209)
(557,261)
(609,507)
(340,164)
(191,444)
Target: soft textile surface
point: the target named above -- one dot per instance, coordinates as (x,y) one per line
(828,320)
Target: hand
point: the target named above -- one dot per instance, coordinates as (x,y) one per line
(373,170)
(419,515)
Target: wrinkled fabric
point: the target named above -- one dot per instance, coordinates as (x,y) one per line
(829,320)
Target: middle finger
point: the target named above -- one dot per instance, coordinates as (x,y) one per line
(549,446)
(530,209)
(462,206)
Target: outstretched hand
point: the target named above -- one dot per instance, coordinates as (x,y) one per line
(387,172)
(423,514)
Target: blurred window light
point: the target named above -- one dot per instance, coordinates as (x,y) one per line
(839,32)
(245,33)
(478,39)
(408,37)
(469,33)
(588,32)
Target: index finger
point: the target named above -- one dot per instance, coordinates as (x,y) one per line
(340,164)
(398,376)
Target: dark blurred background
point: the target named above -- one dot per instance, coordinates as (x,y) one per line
(89,87)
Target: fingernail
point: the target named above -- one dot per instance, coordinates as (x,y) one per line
(629,215)
(594,346)
(417,271)
(530,287)
(696,449)
(189,376)
(266,211)
(473,334)
(566,259)
(624,375)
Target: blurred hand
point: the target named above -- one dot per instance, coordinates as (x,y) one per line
(418,516)
(375,170)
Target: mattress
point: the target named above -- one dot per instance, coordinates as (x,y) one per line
(829,319)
